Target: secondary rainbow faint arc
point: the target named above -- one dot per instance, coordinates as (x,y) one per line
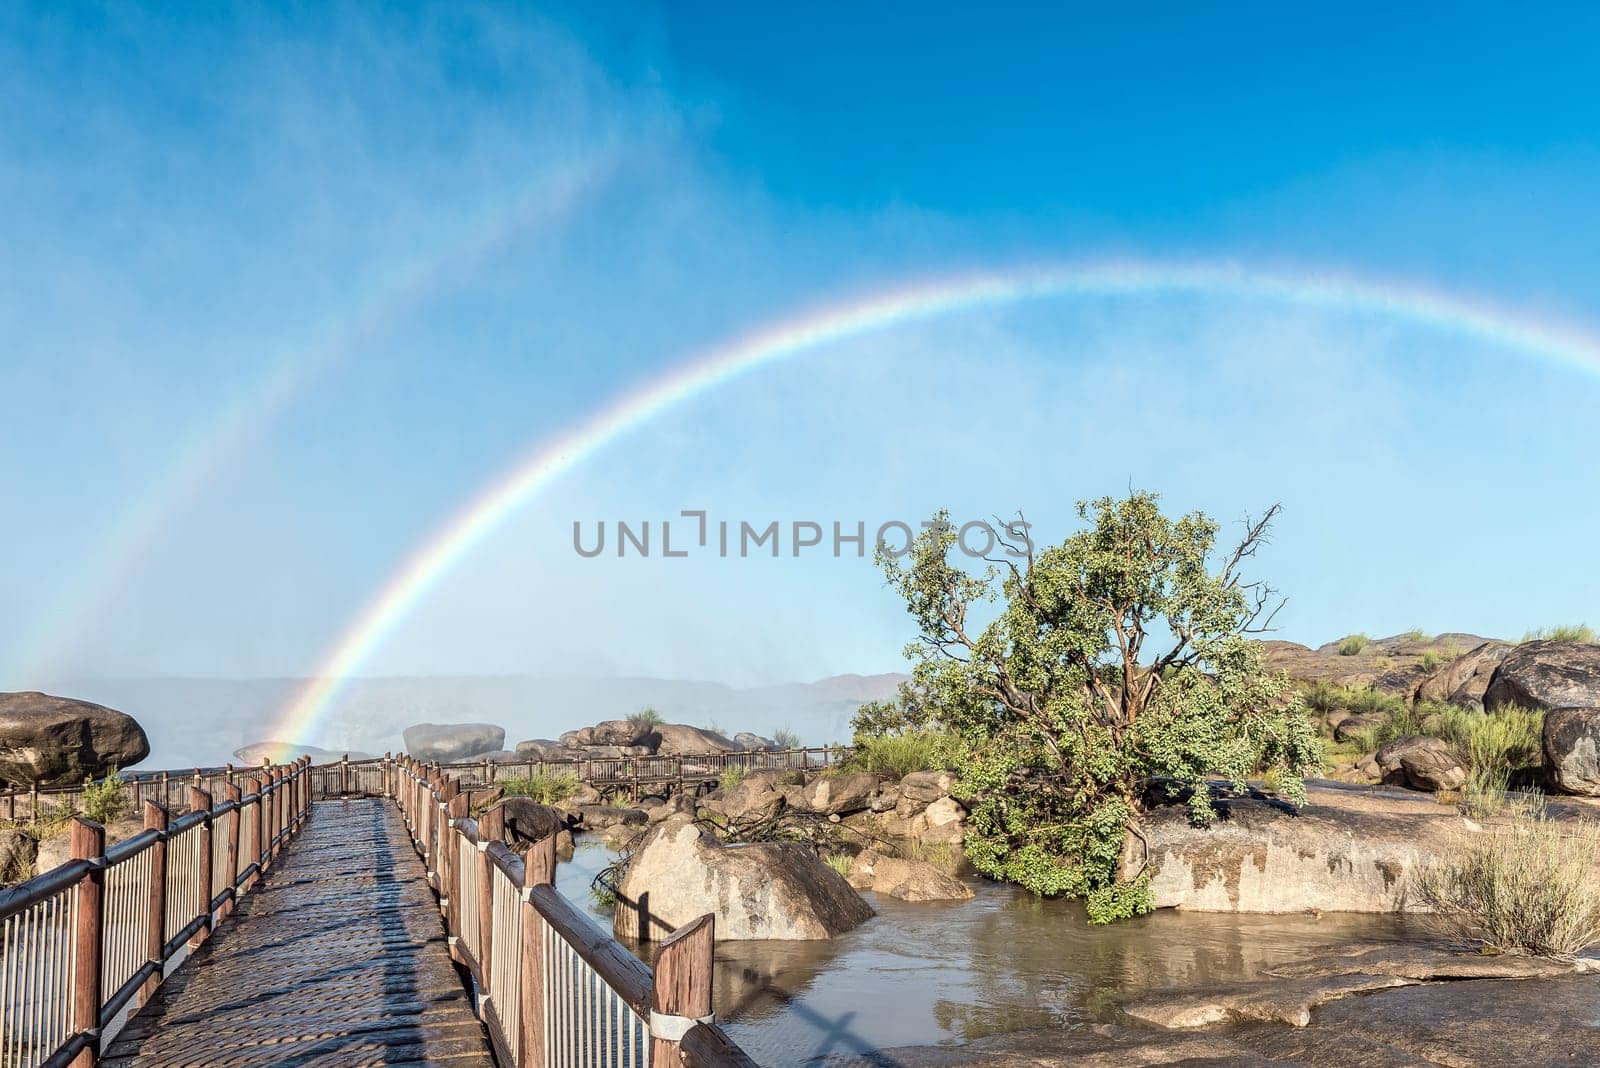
(875,312)
(203,462)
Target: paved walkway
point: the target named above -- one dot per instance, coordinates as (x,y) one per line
(339,958)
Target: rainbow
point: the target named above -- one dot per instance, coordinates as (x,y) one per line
(870,314)
(207,456)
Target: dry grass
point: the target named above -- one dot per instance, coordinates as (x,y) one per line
(1528,886)
(547,788)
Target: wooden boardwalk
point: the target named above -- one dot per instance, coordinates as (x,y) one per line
(338,958)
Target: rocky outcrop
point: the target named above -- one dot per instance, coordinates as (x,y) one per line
(1349,850)
(527,821)
(446,742)
(1572,750)
(18,849)
(545,749)
(1464,680)
(680,739)
(838,795)
(1288,994)
(1422,763)
(600,817)
(57,741)
(757,796)
(1396,665)
(908,880)
(777,890)
(618,732)
(753,743)
(1545,675)
(284,752)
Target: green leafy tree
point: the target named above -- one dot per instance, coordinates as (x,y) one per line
(1112,666)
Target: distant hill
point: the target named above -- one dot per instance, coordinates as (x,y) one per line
(195,722)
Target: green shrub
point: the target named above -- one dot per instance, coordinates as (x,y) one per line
(1323,696)
(898,755)
(784,738)
(839,862)
(1353,644)
(1506,740)
(733,776)
(1570,632)
(1430,661)
(1417,636)
(647,717)
(1526,887)
(547,788)
(105,800)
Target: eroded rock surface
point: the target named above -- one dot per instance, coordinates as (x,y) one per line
(775,890)
(58,741)
(1571,743)
(1544,675)
(446,742)
(1348,851)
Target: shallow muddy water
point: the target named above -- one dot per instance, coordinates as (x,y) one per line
(947,972)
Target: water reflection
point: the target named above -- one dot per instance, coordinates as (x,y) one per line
(930,972)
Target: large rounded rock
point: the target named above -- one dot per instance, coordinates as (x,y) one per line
(56,741)
(545,749)
(680,739)
(446,742)
(620,732)
(1464,680)
(1572,750)
(284,752)
(908,880)
(527,821)
(1422,763)
(839,795)
(1543,675)
(754,743)
(759,795)
(777,890)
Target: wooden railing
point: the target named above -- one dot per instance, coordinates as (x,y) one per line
(87,943)
(371,776)
(554,990)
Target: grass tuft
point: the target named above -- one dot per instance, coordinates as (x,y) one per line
(733,776)
(1353,644)
(547,788)
(1569,632)
(900,754)
(1525,887)
(839,862)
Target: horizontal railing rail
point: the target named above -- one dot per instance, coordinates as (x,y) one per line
(373,776)
(553,990)
(84,942)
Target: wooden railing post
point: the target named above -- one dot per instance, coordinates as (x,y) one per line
(155,819)
(88,843)
(491,828)
(234,796)
(681,994)
(260,818)
(450,860)
(200,801)
(538,869)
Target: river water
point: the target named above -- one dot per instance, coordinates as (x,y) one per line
(946,972)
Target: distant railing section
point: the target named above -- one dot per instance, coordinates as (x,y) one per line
(81,943)
(554,990)
(373,777)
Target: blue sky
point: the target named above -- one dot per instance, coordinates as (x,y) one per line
(280,292)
